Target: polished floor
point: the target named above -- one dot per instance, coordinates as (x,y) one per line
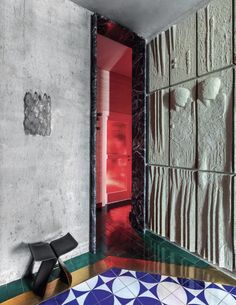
(125,287)
(121,247)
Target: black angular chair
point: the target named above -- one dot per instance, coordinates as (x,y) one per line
(62,246)
(41,252)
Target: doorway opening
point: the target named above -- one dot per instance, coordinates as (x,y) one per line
(114,123)
(123,41)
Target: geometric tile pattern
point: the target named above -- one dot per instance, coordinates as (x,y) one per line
(125,287)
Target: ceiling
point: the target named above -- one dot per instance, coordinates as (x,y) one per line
(113,56)
(144,17)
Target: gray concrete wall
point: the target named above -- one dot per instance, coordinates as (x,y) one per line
(191,152)
(44,180)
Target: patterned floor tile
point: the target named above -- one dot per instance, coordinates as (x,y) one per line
(126,287)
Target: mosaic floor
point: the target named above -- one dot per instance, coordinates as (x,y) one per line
(124,287)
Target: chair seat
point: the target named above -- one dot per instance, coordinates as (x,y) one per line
(64,244)
(41,252)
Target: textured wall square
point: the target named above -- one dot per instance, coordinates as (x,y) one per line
(215,121)
(158,50)
(158,103)
(183,125)
(215,43)
(215,227)
(158,186)
(182,208)
(37,110)
(183,50)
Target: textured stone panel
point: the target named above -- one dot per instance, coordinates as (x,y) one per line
(37,109)
(215,227)
(215,121)
(215,43)
(182,219)
(158,149)
(183,50)
(158,50)
(158,200)
(183,125)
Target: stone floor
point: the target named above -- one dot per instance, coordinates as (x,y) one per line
(121,247)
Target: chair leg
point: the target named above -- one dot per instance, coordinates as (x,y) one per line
(42,276)
(29,271)
(65,274)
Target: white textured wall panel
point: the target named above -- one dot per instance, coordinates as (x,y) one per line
(215,32)
(183,125)
(215,121)
(215,227)
(183,50)
(182,209)
(201,132)
(158,50)
(158,200)
(158,150)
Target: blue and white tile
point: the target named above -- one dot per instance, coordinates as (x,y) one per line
(172,299)
(125,287)
(229,300)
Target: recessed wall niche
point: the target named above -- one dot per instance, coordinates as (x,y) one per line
(37,111)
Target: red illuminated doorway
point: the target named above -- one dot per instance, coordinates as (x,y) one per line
(114,122)
(119,152)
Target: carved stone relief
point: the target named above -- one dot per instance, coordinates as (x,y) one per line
(182,220)
(183,50)
(183,125)
(192,130)
(215,122)
(37,110)
(158,200)
(159,127)
(215,228)
(158,50)
(215,48)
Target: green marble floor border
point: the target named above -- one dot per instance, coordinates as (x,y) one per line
(20,286)
(169,252)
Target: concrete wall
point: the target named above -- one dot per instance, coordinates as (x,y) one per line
(191,133)
(44,180)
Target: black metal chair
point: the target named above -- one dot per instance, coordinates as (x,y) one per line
(41,252)
(62,246)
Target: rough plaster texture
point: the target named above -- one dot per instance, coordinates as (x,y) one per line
(215,227)
(207,136)
(158,199)
(159,127)
(44,181)
(215,121)
(159,61)
(183,125)
(37,110)
(215,43)
(183,50)
(182,209)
